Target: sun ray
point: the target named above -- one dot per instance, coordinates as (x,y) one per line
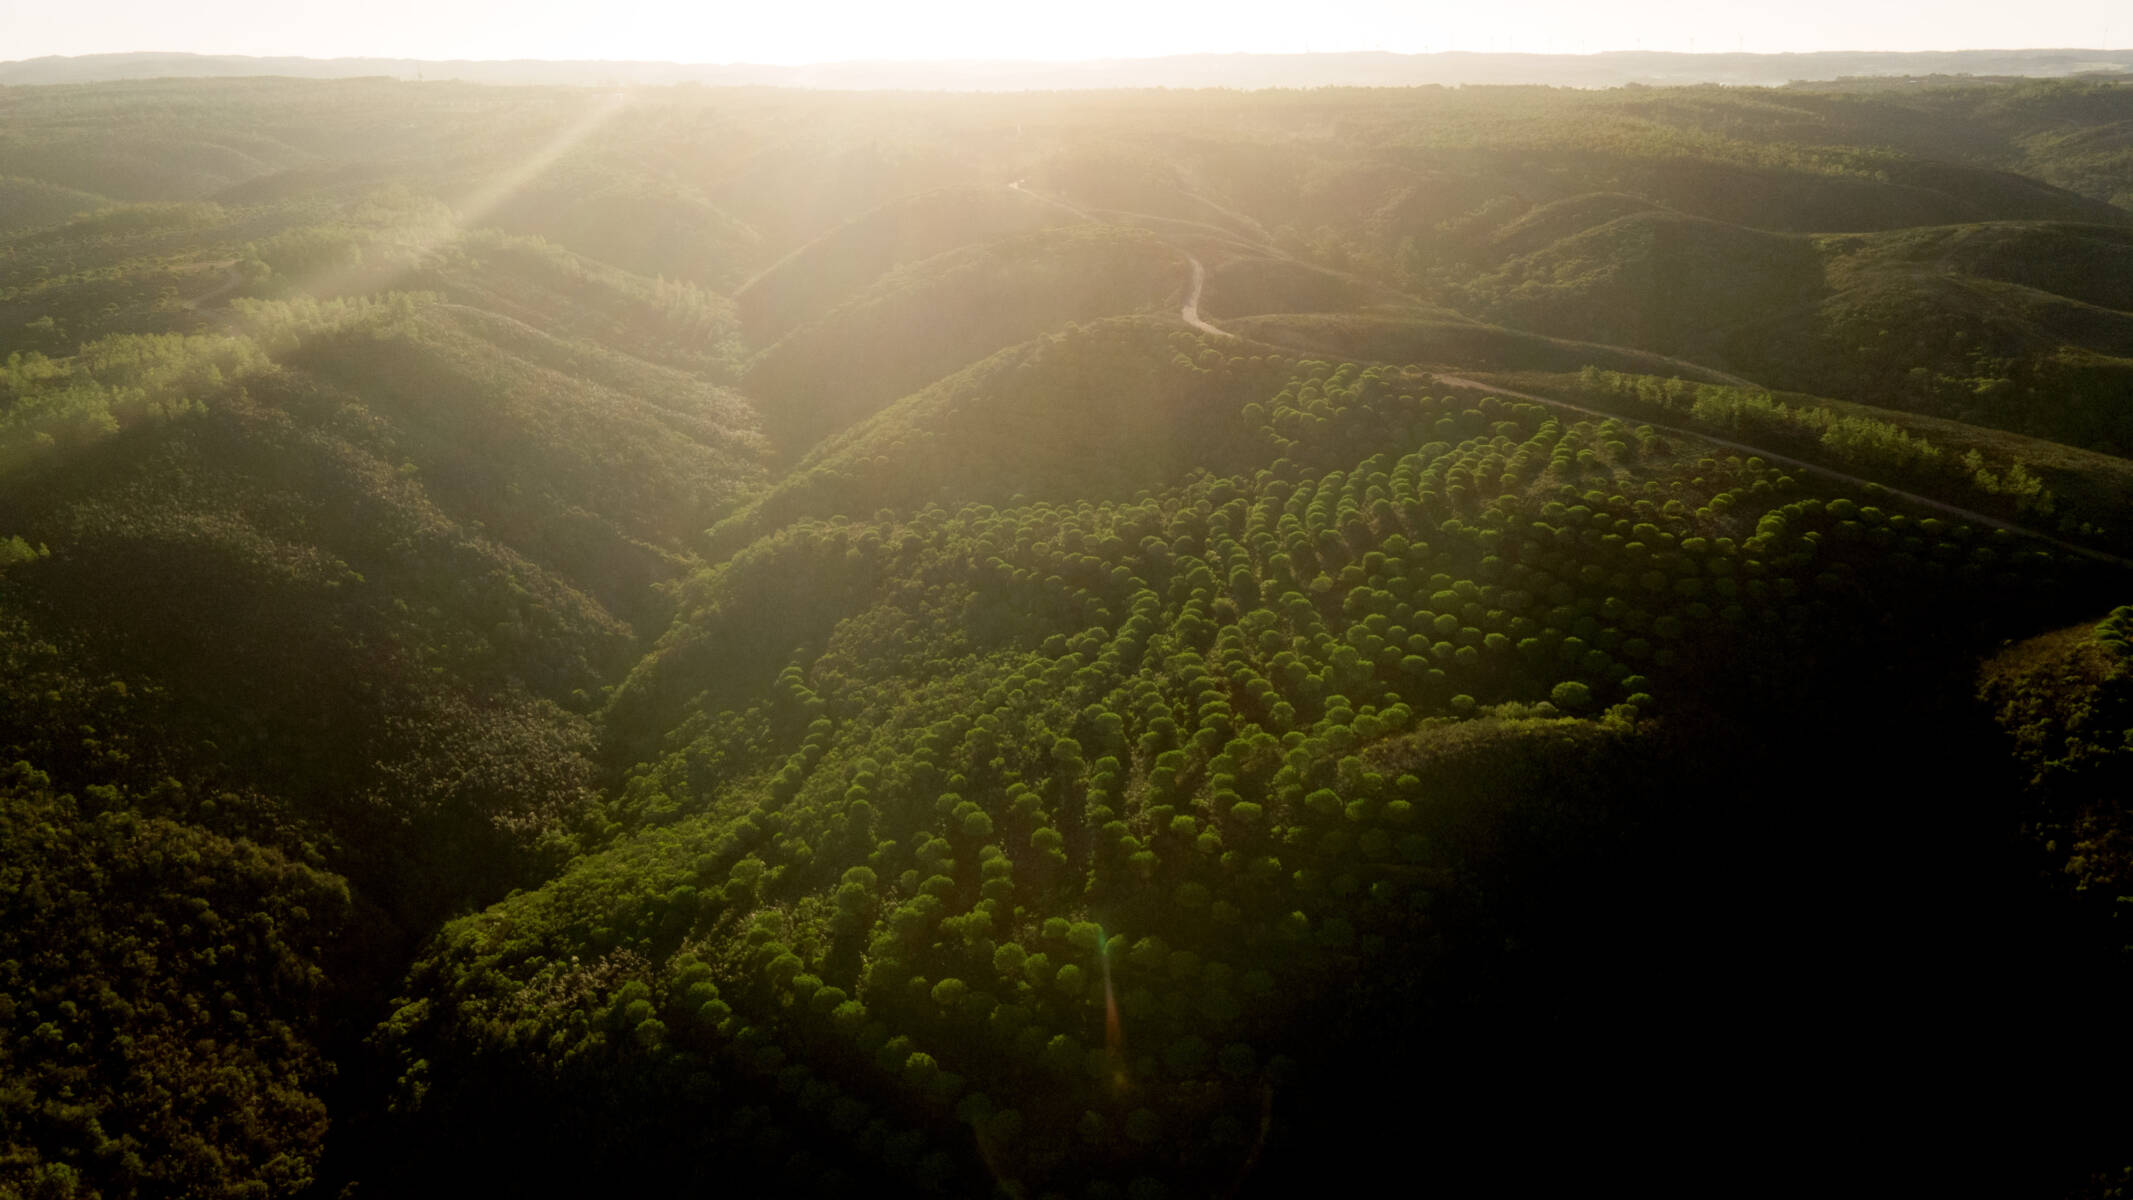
(475,207)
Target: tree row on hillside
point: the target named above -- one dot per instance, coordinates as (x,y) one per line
(1054,828)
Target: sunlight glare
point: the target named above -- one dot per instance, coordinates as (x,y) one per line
(826,31)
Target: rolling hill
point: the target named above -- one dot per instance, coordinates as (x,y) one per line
(927,320)
(1956,321)
(559,640)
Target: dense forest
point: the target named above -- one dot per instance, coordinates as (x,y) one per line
(1109,644)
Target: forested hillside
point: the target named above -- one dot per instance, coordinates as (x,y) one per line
(1084,645)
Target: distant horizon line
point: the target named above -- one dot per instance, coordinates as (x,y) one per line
(1069,62)
(1228,70)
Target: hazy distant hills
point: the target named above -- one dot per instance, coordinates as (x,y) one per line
(1190,70)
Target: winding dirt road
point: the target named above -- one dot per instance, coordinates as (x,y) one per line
(1054,201)
(232,278)
(1189,313)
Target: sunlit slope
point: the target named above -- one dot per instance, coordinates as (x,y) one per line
(191,139)
(2070,133)
(302,630)
(796,166)
(367,232)
(566,295)
(2093,159)
(151,268)
(1957,321)
(2020,327)
(127,161)
(1119,179)
(1491,186)
(1452,182)
(117,269)
(2034,482)
(1429,190)
(1898,194)
(1025,842)
(145,268)
(932,318)
(572,165)
(2089,264)
(28,203)
(274,708)
(305,611)
(1654,280)
(300,543)
(1241,284)
(1100,410)
(1544,225)
(835,266)
(279,599)
(634,220)
(590,461)
(1443,338)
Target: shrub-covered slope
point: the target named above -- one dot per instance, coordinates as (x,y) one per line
(934,317)
(1035,857)
(2065,701)
(1956,321)
(27,203)
(160,1040)
(830,269)
(300,631)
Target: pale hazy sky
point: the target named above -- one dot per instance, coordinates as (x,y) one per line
(798,31)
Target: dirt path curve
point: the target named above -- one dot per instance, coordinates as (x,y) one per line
(1965,514)
(1054,201)
(1189,312)
(232,279)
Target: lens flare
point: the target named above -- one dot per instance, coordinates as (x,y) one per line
(1114,1027)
